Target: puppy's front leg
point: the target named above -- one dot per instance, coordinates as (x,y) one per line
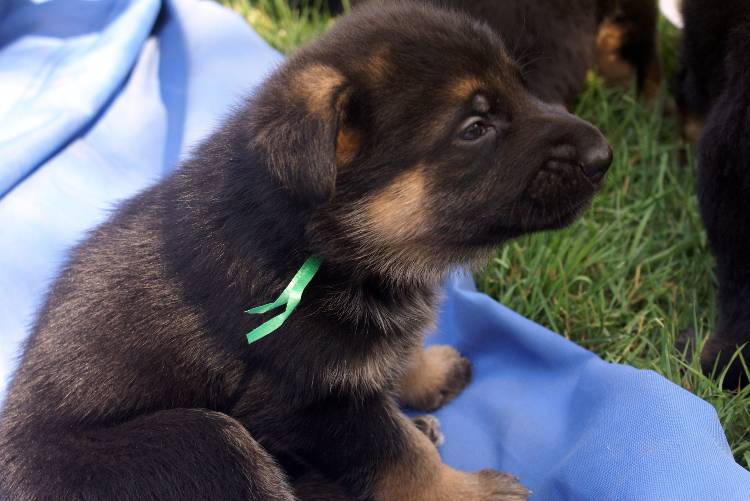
(376,452)
(436,375)
(419,474)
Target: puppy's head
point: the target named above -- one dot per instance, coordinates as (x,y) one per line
(410,135)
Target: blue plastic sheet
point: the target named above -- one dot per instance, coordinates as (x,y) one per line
(100,98)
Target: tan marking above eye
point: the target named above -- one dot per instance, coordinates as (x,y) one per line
(463,88)
(316,84)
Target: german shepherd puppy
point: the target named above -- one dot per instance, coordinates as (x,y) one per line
(713,89)
(557,42)
(400,144)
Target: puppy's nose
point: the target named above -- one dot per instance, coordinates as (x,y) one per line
(592,152)
(574,142)
(595,160)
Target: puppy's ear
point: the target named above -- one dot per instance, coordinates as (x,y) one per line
(300,129)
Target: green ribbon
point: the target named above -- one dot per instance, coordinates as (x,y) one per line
(290,297)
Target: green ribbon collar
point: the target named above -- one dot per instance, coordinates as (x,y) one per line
(290,297)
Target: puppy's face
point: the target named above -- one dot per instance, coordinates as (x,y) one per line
(428,149)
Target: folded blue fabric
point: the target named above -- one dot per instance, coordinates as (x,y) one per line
(101,98)
(199,60)
(60,62)
(570,425)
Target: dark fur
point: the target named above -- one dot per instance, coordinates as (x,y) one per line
(704,48)
(558,41)
(137,381)
(714,86)
(330,6)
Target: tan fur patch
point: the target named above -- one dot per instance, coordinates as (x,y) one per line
(421,475)
(367,375)
(398,213)
(613,68)
(378,64)
(454,94)
(425,380)
(418,475)
(347,146)
(316,84)
(463,88)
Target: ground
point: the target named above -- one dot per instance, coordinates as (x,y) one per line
(636,270)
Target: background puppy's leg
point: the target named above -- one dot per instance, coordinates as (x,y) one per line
(436,375)
(376,452)
(627,44)
(723,188)
(169,455)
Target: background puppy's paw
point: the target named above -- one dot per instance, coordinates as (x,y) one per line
(686,343)
(430,426)
(439,376)
(502,486)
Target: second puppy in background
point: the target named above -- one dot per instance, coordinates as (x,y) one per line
(558,41)
(713,94)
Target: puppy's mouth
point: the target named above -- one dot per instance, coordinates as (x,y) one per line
(565,183)
(543,217)
(561,179)
(558,194)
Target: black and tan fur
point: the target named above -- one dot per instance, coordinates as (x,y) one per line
(557,42)
(400,144)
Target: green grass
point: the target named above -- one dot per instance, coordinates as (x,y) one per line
(635,271)
(282,27)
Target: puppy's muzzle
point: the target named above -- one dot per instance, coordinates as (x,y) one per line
(589,154)
(573,156)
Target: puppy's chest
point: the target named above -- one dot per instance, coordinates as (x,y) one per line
(378,340)
(375,370)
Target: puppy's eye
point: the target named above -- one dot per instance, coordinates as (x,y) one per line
(474,131)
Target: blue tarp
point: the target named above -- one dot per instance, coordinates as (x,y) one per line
(100,98)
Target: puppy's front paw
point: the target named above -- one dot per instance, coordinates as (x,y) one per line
(438,375)
(500,486)
(430,426)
